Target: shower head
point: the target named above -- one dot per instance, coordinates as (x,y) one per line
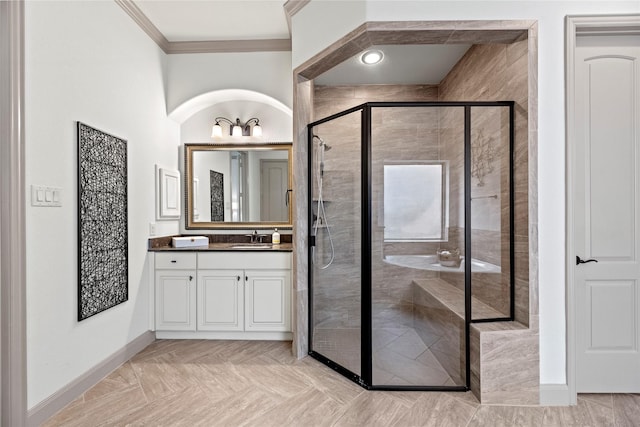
(326,146)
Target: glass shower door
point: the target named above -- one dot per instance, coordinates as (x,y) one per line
(411,239)
(417,208)
(336,227)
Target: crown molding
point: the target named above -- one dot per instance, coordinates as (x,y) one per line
(222,46)
(204,46)
(144,23)
(291,7)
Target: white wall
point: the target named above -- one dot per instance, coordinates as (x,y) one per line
(88,62)
(311,33)
(201,87)
(318,25)
(276,124)
(190,75)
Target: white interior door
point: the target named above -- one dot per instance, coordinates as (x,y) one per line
(274,180)
(606,209)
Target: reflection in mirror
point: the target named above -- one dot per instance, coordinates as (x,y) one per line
(238,186)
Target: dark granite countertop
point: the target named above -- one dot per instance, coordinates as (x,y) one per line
(218,242)
(283,247)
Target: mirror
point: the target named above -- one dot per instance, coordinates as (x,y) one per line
(238,186)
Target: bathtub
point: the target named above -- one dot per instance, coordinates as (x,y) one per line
(430,262)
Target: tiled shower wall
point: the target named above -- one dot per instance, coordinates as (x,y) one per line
(398,134)
(489,203)
(498,72)
(486,73)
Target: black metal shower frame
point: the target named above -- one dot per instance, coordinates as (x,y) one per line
(366,320)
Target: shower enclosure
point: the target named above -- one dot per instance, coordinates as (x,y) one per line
(410,238)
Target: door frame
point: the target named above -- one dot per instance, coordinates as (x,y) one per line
(13,354)
(578,25)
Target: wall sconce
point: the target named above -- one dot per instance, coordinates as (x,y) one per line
(237,129)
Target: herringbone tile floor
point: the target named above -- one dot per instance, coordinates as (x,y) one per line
(258,383)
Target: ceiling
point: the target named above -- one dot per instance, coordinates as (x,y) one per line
(221,20)
(188,20)
(402,64)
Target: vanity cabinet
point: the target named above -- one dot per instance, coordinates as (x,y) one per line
(267,300)
(220,300)
(175,291)
(226,295)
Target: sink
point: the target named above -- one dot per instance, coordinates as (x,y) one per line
(252,246)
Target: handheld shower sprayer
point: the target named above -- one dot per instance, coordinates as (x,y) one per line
(323,147)
(321,217)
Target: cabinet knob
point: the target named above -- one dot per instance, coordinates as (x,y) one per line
(238,278)
(246,278)
(173,261)
(190,278)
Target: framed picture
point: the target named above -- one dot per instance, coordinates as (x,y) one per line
(103,273)
(167,193)
(217,196)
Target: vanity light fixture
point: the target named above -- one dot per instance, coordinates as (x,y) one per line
(371,57)
(237,129)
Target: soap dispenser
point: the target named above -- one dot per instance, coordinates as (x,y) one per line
(275,237)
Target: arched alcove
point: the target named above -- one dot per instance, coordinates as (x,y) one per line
(196,116)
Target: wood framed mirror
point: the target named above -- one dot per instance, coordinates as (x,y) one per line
(236,186)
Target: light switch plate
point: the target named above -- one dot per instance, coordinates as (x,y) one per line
(46,196)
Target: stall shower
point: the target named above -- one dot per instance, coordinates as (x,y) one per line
(411,238)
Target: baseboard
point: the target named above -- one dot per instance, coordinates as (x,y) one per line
(554,395)
(217,335)
(67,394)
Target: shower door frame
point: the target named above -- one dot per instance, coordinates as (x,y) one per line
(366,316)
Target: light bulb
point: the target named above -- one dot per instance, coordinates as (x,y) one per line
(216,131)
(236,131)
(257,130)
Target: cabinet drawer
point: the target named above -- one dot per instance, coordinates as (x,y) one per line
(244,260)
(177,260)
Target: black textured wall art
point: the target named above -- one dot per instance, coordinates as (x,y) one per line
(217,196)
(103,279)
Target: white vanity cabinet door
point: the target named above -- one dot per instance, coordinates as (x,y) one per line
(268,300)
(220,300)
(175,300)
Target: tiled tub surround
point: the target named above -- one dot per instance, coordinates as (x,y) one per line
(480,75)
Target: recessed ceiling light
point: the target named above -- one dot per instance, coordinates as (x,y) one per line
(371,57)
